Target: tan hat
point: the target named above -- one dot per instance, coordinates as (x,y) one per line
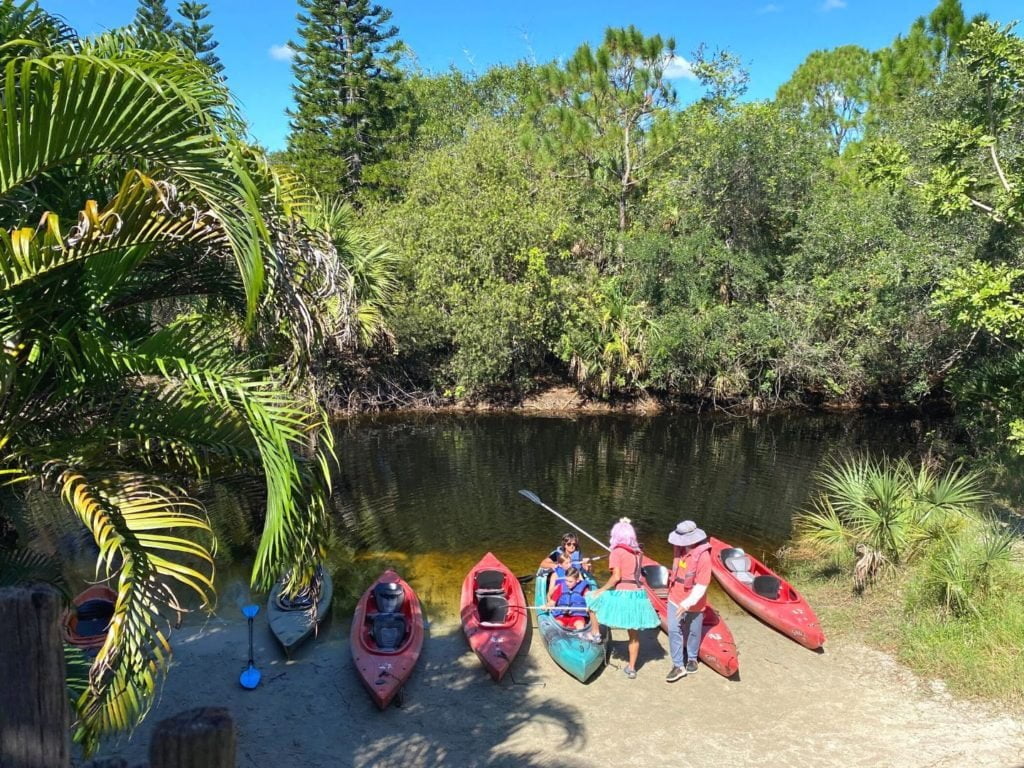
(686,533)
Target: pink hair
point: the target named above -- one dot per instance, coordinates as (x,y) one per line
(623,533)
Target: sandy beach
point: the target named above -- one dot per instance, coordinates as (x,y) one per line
(849,706)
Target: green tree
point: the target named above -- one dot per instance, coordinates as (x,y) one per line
(832,88)
(196,36)
(485,284)
(348,96)
(913,63)
(146,249)
(152,16)
(603,107)
(971,161)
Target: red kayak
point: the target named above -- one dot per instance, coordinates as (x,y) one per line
(387,636)
(493,610)
(717,648)
(765,594)
(88,619)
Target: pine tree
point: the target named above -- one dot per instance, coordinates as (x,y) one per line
(347,97)
(196,36)
(913,63)
(152,16)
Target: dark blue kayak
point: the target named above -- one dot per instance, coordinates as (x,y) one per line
(580,658)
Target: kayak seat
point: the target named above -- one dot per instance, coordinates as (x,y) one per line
(492,609)
(656,576)
(739,566)
(490,583)
(767,586)
(389,596)
(731,552)
(93,617)
(388,630)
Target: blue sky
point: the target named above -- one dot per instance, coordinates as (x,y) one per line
(772,37)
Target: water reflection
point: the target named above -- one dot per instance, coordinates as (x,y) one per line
(443,489)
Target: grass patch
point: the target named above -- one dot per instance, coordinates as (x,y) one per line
(978,655)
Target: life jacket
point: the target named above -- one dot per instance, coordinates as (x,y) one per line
(576,556)
(704,550)
(573,598)
(637,569)
(560,575)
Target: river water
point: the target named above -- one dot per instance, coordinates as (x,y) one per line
(431,494)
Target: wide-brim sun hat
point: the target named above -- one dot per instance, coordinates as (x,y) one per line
(686,533)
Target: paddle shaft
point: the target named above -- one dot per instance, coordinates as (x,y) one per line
(555,608)
(251,662)
(536,500)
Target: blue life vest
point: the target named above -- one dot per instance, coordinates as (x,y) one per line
(560,576)
(577,556)
(573,598)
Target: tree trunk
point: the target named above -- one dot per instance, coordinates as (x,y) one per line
(198,738)
(34,707)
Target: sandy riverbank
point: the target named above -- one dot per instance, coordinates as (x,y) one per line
(850,706)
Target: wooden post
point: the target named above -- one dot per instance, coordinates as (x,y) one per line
(35,714)
(198,738)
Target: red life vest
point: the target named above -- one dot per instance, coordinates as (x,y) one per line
(691,573)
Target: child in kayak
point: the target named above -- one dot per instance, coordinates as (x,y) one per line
(570,595)
(564,564)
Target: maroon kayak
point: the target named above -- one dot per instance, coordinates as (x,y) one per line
(717,648)
(387,636)
(765,594)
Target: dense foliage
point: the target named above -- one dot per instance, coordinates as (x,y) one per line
(164,295)
(853,241)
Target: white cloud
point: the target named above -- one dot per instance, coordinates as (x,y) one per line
(282,52)
(831,5)
(770,8)
(677,67)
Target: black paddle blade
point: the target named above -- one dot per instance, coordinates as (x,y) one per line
(530,495)
(527,578)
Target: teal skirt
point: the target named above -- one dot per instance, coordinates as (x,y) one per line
(624,609)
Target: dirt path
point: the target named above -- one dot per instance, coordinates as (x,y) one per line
(847,707)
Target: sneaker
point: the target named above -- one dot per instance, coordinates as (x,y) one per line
(691,667)
(630,673)
(676,673)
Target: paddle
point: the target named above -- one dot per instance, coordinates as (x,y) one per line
(250,676)
(536,500)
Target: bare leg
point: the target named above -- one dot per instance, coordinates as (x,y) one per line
(633,646)
(594,626)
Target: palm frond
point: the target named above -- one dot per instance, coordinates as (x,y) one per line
(144,531)
(61,108)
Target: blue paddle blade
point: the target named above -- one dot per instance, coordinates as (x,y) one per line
(250,611)
(250,677)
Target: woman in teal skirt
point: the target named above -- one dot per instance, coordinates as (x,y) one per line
(622,602)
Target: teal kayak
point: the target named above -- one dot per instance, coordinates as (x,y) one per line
(579,657)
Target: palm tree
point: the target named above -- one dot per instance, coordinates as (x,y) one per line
(607,344)
(886,512)
(370,275)
(155,274)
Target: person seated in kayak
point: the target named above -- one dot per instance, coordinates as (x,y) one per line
(570,594)
(570,546)
(564,563)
